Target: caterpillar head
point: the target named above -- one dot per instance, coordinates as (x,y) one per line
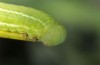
(54,35)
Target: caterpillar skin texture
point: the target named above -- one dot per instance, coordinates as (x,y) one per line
(24,23)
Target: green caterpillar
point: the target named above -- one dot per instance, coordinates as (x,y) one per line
(24,23)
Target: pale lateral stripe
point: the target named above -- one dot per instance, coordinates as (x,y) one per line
(11,25)
(22,14)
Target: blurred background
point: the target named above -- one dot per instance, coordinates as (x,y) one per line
(81,47)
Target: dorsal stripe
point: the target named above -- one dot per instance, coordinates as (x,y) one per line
(22,14)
